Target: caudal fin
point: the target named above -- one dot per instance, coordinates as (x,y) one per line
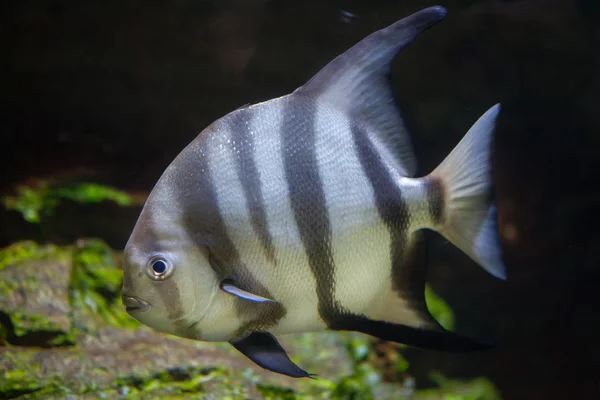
(463,180)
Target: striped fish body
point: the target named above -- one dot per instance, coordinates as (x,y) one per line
(302,213)
(296,187)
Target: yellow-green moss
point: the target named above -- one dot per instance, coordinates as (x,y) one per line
(270,392)
(28,250)
(34,202)
(19,381)
(6,287)
(96,281)
(458,389)
(190,382)
(439,308)
(93,291)
(24,324)
(178,381)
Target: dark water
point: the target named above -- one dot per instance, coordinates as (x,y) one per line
(113,90)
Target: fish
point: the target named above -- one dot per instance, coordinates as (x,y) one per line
(303,213)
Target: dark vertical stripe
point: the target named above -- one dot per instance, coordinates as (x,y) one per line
(435,199)
(392,208)
(147,239)
(171,296)
(308,201)
(203,220)
(245,159)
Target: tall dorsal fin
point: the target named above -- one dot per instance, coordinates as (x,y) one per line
(358,81)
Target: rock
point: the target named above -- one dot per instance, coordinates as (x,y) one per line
(120,360)
(141,361)
(34,307)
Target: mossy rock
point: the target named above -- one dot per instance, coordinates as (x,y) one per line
(50,294)
(34,306)
(139,363)
(455,389)
(95,287)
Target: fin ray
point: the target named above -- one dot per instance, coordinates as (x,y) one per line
(441,340)
(404,303)
(358,82)
(469,217)
(229,287)
(266,351)
(404,316)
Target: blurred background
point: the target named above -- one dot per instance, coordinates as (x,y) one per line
(98,97)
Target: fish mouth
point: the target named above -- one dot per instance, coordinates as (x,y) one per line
(134,303)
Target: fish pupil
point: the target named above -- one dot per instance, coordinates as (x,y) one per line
(159,266)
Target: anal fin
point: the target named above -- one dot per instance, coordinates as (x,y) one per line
(428,339)
(402,315)
(404,301)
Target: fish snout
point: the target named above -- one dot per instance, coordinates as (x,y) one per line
(133,303)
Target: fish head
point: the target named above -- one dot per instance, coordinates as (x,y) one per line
(168,281)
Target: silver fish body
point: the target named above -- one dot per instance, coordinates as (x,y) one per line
(302,213)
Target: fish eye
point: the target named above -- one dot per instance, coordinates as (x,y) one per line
(159,268)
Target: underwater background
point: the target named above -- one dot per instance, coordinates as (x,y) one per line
(98,97)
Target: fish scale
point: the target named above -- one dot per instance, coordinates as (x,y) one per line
(355,223)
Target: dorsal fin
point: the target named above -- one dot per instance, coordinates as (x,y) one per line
(358,81)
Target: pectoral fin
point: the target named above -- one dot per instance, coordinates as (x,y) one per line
(264,349)
(229,287)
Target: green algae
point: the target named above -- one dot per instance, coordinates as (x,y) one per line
(322,351)
(6,287)
(439,309)
(183,382)
(458,389)
(27,377)
(37,329)
(95,285)
(35,202)
(271,392)
(18,381)
(359,348)
(174,380)
(27,250)
(32,202)
(359,385)
(92,291)
(27,315)
(88,192)
(20,384)
(26,323)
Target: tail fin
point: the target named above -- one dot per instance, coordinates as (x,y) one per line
(468,218)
